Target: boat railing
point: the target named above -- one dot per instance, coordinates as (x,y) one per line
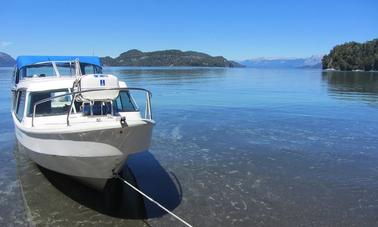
(147,112)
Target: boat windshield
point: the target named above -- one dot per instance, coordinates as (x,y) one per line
(59,106)
(56,106)
(49,69)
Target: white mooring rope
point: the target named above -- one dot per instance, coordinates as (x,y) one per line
(152,200)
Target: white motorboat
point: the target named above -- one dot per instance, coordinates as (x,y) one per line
(71,118)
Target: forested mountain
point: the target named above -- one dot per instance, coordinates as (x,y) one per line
(168,58)
(353,56)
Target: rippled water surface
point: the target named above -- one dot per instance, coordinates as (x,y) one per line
(231,147)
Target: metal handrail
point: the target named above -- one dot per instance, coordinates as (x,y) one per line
(148,111)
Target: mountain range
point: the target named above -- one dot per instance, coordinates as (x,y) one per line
(310,62)
(191,58)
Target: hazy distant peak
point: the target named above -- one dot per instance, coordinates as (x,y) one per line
(272,58)
(6,60)
(313,61)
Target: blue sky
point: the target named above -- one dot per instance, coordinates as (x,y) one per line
(235,29)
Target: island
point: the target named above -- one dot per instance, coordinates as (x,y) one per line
(136,57)
(353,56)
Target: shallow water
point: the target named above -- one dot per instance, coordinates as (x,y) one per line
(231,146)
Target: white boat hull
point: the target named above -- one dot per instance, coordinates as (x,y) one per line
(90,156)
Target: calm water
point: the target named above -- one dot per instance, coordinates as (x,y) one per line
(231,147)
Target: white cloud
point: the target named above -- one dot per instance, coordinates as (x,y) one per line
(5,43)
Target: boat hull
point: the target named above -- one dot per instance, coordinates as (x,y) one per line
(89,156)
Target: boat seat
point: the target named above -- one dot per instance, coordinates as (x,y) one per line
(97,106)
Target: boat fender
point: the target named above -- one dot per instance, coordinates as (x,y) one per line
(123,122)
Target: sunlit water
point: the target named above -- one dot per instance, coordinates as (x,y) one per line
(240,147)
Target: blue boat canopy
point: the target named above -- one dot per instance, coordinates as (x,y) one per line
(29,60)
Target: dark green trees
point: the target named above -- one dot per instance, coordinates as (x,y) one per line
(353,56)
(168,58)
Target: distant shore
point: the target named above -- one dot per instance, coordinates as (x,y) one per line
(168,58)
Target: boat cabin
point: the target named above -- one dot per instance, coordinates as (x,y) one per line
(46,86)
(54,66)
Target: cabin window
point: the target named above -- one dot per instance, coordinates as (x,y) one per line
(124,102)
(14,100)
(47,69)
(65,69)
(20,105)
(89,69)
(58,106)
(38,70)
(61,105)
(15,76)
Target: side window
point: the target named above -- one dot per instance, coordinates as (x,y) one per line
(57,106)
(97,69)
(40,70)
(124,102)
(90,69)
(65,69)
(20,105)
(14,100)
(87,69)
(15,76)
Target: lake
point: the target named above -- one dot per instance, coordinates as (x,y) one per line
(232,146)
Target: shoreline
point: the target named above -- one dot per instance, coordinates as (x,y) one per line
(354,71)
